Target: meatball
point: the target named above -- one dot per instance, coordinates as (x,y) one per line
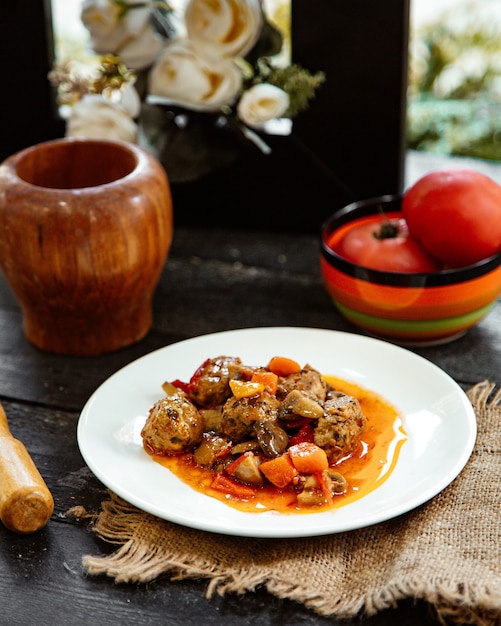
(340,429)
(240,415)
(209,385)
(308,380)
(174,425)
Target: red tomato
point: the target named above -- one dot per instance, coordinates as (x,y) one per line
(456,215)
(395,251)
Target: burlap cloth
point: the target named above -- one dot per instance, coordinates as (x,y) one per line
(447,552)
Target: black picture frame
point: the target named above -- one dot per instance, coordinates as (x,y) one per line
(356,127)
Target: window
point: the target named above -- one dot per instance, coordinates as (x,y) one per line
(454,105)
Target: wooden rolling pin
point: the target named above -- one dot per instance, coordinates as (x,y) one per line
(26,503)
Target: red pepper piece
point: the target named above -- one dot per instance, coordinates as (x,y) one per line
(231,487)
(305,433)
(180,385)
(197,375)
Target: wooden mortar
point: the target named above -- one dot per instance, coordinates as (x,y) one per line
(85,230)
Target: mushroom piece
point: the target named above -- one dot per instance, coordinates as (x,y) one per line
(247,470)
(297,405)
(313,494)
(336,481)
(210,450)
(272,439)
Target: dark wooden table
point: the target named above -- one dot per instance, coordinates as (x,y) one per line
(213,281)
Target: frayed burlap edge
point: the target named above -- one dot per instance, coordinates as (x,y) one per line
(150,547)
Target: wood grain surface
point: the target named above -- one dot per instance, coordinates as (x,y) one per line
(213,281)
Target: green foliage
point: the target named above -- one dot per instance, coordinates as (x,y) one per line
(456,127)
(454,104)
(299,83)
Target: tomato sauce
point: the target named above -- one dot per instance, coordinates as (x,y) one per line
(365,470)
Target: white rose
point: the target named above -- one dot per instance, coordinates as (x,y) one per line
(112,33)
(261,103)
(96,117)
(141,51)
(129,100)
(180,76)
(223,28)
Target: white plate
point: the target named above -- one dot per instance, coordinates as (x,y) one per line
(438,418)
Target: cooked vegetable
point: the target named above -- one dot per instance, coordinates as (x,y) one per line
(312,493)
(246,389)
(308,458)
(245,446)
(269,380)
(211,449)
(321,487)
(171,388)
(297,405)
(337,482)
(232,487)
(305,433)
(280,471)
(254,429)
(246,469)
(282,366)
(272,439)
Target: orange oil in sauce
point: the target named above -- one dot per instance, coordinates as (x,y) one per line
(365,470)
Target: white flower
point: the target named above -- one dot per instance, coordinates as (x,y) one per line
(141,51)
(262,103)
(182,77)
(129,100)
(131,35)
(126,97)
(99,118)
(223,28)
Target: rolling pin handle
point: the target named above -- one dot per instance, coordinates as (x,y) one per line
(4,425)
(26,504)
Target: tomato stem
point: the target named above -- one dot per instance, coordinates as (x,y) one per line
(388,229)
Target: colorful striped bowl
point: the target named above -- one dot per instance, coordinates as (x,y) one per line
(410,309)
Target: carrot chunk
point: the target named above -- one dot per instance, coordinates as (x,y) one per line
(280,471)
(308,458)
(282,366)
(269,380)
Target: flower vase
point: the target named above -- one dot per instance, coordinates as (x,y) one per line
(189,144)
